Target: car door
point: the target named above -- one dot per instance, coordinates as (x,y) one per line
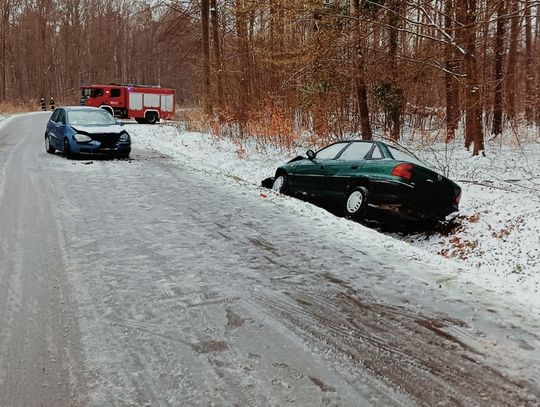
(347,165)
(309,175)
(52,127)
(60,128)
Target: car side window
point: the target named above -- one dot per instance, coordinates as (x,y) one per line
(330,152)
(54,117)
(376,153)
(115,92)
(61,117)
(356,151)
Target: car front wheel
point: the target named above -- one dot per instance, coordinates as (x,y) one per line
(355,202)
(67,149)
(280,184)
(50,149)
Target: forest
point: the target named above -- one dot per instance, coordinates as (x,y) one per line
(276,68)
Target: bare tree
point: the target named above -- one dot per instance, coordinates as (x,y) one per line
(205,45)
(498,50)
(473,120)
(218,66)
(529,74)
(511,69)
(451,65)
(358,72)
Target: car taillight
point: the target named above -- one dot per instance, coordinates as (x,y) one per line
(403,170)
(458,197)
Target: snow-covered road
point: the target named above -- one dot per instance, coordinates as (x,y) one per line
(144,282)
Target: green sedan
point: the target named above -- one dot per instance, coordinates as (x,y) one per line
(362,175)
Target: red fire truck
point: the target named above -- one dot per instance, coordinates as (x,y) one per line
(145,104)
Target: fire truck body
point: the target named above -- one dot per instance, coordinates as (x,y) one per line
(146,104)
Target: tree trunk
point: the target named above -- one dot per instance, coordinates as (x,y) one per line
(243,56)
(217,52)
(510,84)
(529,74)
(393,27)
(4,30)
(498,77)
(473,126)
(451,65)
(358,73)
(205,11)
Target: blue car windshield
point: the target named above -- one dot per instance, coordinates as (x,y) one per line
(90,118)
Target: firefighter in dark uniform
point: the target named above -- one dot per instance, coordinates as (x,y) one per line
(43,105)
(51,102)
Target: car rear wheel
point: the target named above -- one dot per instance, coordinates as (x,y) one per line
(280,184)
(355,202)
(50,149)
(67,149)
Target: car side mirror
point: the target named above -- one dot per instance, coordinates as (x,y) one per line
(310,154)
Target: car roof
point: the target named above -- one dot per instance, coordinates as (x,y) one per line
(361,141)
(80,108)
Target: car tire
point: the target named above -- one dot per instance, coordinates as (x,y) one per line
(67,149)
(50,149)
(280,184)
(355,202)
(151,117)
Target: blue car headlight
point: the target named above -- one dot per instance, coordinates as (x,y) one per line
(82,138)
(124,137)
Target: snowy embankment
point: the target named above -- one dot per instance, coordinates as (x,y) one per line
(496,245)
(4,118)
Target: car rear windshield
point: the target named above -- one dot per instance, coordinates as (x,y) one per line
(90,118)
(404,156)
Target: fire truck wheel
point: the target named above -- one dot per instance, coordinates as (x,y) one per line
(108,109)
(151,117)
(140,121)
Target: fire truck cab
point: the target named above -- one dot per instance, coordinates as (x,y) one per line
(145,104)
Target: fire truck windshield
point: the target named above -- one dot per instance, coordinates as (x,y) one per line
(97,92)
(86,92)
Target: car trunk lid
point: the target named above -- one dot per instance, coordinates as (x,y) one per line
(436,188)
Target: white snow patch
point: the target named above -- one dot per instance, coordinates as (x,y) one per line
(497,244)
(4,118)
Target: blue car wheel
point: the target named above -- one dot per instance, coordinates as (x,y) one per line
(48,147)
(67,149)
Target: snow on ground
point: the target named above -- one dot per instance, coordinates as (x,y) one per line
(499,235)
(496,245)
(4,118)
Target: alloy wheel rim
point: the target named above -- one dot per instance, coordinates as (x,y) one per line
(278,184)
(47,145)
(354,202)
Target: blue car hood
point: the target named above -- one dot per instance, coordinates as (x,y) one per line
(113,128)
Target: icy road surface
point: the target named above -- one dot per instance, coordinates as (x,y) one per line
(142,282)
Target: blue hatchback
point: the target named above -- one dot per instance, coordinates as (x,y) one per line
(86,131)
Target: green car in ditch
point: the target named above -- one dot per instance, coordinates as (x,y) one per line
(370,177)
